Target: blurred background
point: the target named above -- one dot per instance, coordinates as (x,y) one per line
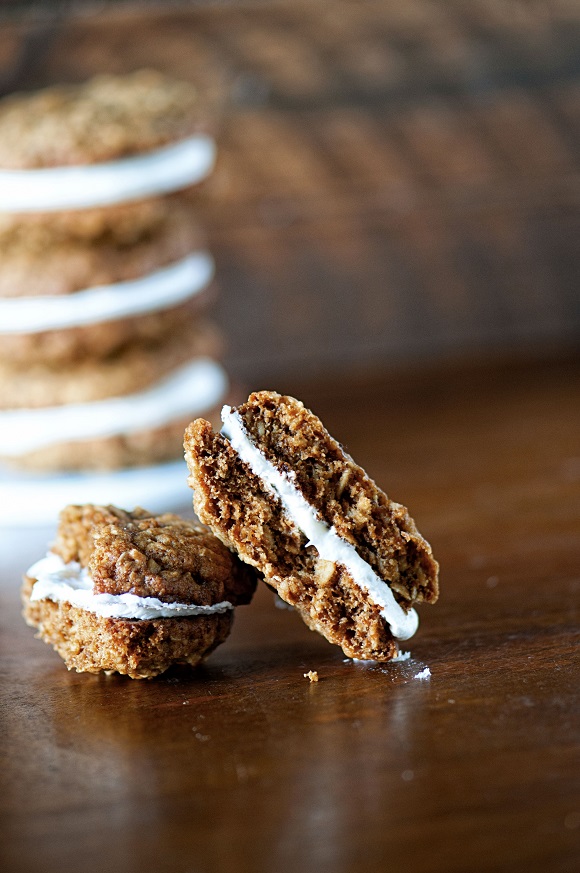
(396,182)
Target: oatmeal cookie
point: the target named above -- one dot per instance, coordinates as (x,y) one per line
(57,350)
(99,158)
(121,224)
(139,448)
(106,118)
(132,368)
(276,487)
(132,592)
(32,266)
(133,430)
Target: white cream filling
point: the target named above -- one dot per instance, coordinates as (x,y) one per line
(329,545)
(91,185)
(71,583)
(161,289)
(190,390)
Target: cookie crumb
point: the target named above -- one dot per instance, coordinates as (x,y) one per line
(312,675)
(424,674)
(402,656)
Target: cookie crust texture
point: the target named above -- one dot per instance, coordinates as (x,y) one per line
(246,516)
(135,367)
(122,223)
(165,556)
(107,118)
(54,349)
(36,267)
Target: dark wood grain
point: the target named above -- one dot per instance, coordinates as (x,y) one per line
(245,765)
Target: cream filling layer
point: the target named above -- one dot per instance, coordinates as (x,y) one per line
(161,289)
(188,391)
(71,583)
(329,545)
(91,185)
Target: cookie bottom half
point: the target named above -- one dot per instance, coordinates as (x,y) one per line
(48,357)
(138,649)
(123,224)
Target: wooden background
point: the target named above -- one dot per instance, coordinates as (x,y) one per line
(396,180)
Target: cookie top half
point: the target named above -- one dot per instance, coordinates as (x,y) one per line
(107,118)
(164,556)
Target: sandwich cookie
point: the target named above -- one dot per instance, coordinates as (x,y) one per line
(32,267)
(99,321)
(277,488)
(112,141)
(133,593)
(135,429)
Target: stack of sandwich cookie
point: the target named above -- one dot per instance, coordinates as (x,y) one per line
(104,278)
(133,593)
(279,490)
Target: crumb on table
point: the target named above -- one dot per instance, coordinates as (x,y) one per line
(312,675)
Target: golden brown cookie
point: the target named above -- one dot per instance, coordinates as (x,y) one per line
(133,593)
(123,223)
(133,430)
(106,118)
(91,377)
(277,488)
(58,350)
(71,300)
(99,158)
(38,267)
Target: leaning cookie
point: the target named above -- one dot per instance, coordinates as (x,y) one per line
(133,593)
(276,487)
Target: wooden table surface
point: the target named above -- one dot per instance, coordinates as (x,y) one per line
(245,765)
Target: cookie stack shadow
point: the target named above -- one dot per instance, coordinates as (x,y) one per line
(106,347)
